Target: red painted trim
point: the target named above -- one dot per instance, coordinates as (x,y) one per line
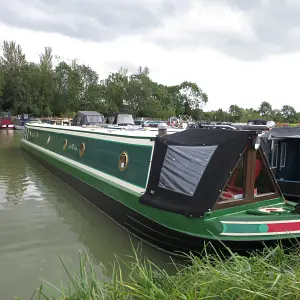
(278,227)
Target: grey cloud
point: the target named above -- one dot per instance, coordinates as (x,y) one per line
(94,20)
(275,25)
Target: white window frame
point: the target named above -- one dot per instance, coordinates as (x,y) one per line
(274,155)
(283,155)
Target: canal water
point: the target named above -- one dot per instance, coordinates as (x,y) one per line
(41,218)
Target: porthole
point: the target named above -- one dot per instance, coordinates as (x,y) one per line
(82,149)
(123,161)
(65,144)
(49,138)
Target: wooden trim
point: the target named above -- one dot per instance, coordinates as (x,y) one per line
(233,203)
(249,181)
(220,204)
(266,166)
(267,196)
(249,174)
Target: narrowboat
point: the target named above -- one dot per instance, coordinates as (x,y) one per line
(19,121)
(88,118)
(5,121)
(282,149)
(174,191)
(114,121)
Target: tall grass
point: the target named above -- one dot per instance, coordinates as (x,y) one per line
(269,274)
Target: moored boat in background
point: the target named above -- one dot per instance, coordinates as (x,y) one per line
(20,121)
(5,121)
(174,191)
(282,149)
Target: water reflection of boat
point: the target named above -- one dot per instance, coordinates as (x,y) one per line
(91,230)
(175,191)
(13,181)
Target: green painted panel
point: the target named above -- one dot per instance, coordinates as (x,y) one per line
(99,154)
(241,228)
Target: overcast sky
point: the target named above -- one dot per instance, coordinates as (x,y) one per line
(238,51)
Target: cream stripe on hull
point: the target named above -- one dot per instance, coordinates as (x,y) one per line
(258,233)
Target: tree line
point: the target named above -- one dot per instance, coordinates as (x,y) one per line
(54,87)
(235,113)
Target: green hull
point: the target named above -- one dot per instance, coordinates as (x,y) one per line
(98,168)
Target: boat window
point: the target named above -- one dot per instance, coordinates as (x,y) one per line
(274,155)
(82,149)
(94,119)
(5,115)
(183,168)
(234,189)
(123,161)
(282,155)
(263,183)
(125,119)
(65,144)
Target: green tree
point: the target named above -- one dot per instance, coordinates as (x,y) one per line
(13,64)
(44,90)
(46,82)
(235,112)
(289,113)
(265,109)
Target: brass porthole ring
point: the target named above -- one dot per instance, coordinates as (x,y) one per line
(81,149)
(123,161)
(65,144)
(49,138)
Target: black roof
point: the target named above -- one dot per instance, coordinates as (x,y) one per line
(228,147)
(278,133)
(257,120)
(251,127)
(283,132)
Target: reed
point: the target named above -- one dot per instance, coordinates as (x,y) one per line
(269,274)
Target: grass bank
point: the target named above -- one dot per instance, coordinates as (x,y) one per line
(269,274)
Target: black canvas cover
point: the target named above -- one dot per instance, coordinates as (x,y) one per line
(87,118)
(258,128)
(265,144)
(189,169)
(278,133)
(285,132)
(285,159)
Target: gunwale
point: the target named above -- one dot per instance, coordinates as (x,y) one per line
(102,131)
